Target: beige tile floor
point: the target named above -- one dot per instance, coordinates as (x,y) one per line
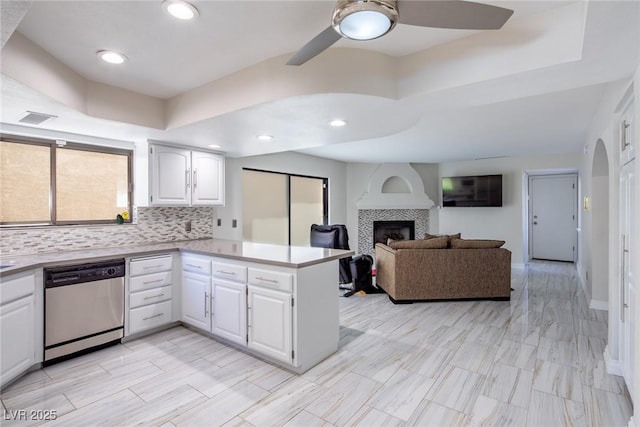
(534,361)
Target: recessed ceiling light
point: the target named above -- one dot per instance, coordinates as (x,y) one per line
(265,137)
(111,57)
(214,146)
(337,123)
(180,9)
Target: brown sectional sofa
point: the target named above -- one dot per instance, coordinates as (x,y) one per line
(410,274)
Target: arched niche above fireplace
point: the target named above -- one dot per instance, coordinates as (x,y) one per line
(393,175)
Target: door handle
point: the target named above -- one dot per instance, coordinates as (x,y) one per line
(195,178)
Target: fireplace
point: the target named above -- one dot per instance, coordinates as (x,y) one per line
(396,230)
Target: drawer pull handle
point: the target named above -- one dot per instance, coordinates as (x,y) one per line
(155,315)
(153,266)
(154,281)
(155,296)
(267,280)
(231,273)
(194,266)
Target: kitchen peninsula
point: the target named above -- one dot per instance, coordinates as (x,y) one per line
(279,303)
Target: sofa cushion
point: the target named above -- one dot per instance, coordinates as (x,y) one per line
(476,244)
(435,243)
(449,237)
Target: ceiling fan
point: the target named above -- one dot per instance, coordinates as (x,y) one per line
(370,19)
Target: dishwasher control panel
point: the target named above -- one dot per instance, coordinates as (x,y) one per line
(72,274)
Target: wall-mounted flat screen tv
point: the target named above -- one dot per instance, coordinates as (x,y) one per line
(472,191)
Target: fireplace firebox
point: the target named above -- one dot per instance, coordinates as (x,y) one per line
(396,230)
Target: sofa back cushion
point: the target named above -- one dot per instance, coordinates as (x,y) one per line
(435,243)
(476,244)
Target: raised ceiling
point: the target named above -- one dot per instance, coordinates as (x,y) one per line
(417,94)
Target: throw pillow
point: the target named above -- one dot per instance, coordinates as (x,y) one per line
(428,236)
(449,237)
(435,243)
(476,244)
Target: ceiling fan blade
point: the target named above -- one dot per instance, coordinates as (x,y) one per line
(318,44)
(455,14)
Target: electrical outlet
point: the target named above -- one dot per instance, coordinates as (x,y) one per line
(234,223)
(219,222)
(187,226)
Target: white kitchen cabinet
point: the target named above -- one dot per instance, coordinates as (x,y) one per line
(286,314)
(214,297)
(196,300)
(182,177)
(627,136)
(20,324)
(150,293)
(270,323)
(229,310)
(207,179)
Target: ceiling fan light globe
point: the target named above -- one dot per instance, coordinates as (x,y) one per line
(365,25)
(364,19)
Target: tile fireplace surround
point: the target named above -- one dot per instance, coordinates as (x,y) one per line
(366,217)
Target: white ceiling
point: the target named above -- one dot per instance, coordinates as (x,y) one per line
(532,105)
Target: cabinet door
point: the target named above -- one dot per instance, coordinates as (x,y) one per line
(17,323)
(270,328)
(627,133)
(229,310)
(170,176)
(207,178)
(195,300)
(628,224)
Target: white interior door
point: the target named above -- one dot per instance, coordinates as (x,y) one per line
(552,216)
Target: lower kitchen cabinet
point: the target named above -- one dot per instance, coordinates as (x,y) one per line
(195,300)
(229,310)
(213,304)
(20,324)
(150,293)
(270,323)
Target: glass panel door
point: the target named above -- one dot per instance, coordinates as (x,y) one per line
(307,207)
(265,207)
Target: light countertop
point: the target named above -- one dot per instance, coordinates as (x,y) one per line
(285,256)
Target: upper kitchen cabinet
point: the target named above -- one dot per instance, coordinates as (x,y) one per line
(181,177)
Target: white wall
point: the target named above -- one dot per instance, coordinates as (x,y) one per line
(504,223)
(289,162)
(358,176)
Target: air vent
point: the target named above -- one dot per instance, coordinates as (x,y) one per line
(33,118)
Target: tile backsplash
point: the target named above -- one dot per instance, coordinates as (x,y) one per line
(154,225)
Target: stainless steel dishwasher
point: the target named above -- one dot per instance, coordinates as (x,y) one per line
(84,308)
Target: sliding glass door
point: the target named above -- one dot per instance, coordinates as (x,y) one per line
(279,208)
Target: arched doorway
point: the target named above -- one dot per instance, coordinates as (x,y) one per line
(599,228)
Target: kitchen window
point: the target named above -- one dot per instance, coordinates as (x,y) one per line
(42,183)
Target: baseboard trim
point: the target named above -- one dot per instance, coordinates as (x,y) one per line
(631,422)
(613,366)
(517,266)
(599,305)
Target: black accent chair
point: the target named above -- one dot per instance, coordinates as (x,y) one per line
(334,237)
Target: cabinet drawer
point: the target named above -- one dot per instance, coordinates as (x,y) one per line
(139,266)
(149,281)
(150,316)
(150,296)
(197,265)
(233,272)
(271,279)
